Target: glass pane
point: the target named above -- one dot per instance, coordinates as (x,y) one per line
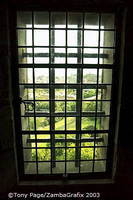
(41,37)
(71,75)
(60,136)
(75,20)
(71,168)
(26,93)
(107,38)
(88,123)
(71,94)
(30,168)
(59,106)
(41,94)
(41,55)
(59,169)
(88,106)
(89,94)
(71,123)
(41,75)
(100,153)
(25,75)
(24,19)
(59,94)
(71,106)
(74,38)
(107,56)
(25,55)
(42,106)
(58,19)
(70,153)
(27,123)
(87,153)
(44,168)
(59,75)
(90,56)
(102,123)
(26,142)
(86,166)
(71,136)
(59,123)
(29,154)
(103,139)
(107,21)
(58,55)
(24,37)
(104,94)
(74,55)
(91,21)
(105,76)
(90,76)
(41,19)
(104,106)
(42,123)
(43,154)
(58,38)
(60,154)
(91,38)
(99,166)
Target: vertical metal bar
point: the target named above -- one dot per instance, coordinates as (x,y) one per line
(34,98)
(97,93)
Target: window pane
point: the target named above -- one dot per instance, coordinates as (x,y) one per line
(74,55)
(104,106)
(41,75)
(108,56)
(71,75)
(90,76)
(58,55)
(41,37)
(25,75)
(107,21)
(75,20)
(71,167)
(27,123)
(24,19)
(26,93)
(25,55)
(71,123)
(58,38)
(59,106)
(42,123)
(88,106)
(42,106)
(60,154)
(41,55)
(91,38)
(59,123)
(59,75)
(71,106)
(90,56)
(73,38)
(100,153)
(41,19)
(26,142)
(88,123)
(91,21)
(87,153)
(99,166)
(71,94)
(58,20)
(29,154)
(89,94)
(105,76)
(104,94)
(44,167)
(70,153)
(30,168)
(86,166)
(102,123)
(107,38)
(42,94)
(59,94)
(43,154)
(24,37)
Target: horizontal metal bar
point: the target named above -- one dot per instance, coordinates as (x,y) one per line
(38,132)
(91,139)
(43,114)
(86,55)
(62,86)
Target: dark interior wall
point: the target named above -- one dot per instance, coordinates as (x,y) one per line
(8,177)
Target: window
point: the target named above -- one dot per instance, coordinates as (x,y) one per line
(65,64)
